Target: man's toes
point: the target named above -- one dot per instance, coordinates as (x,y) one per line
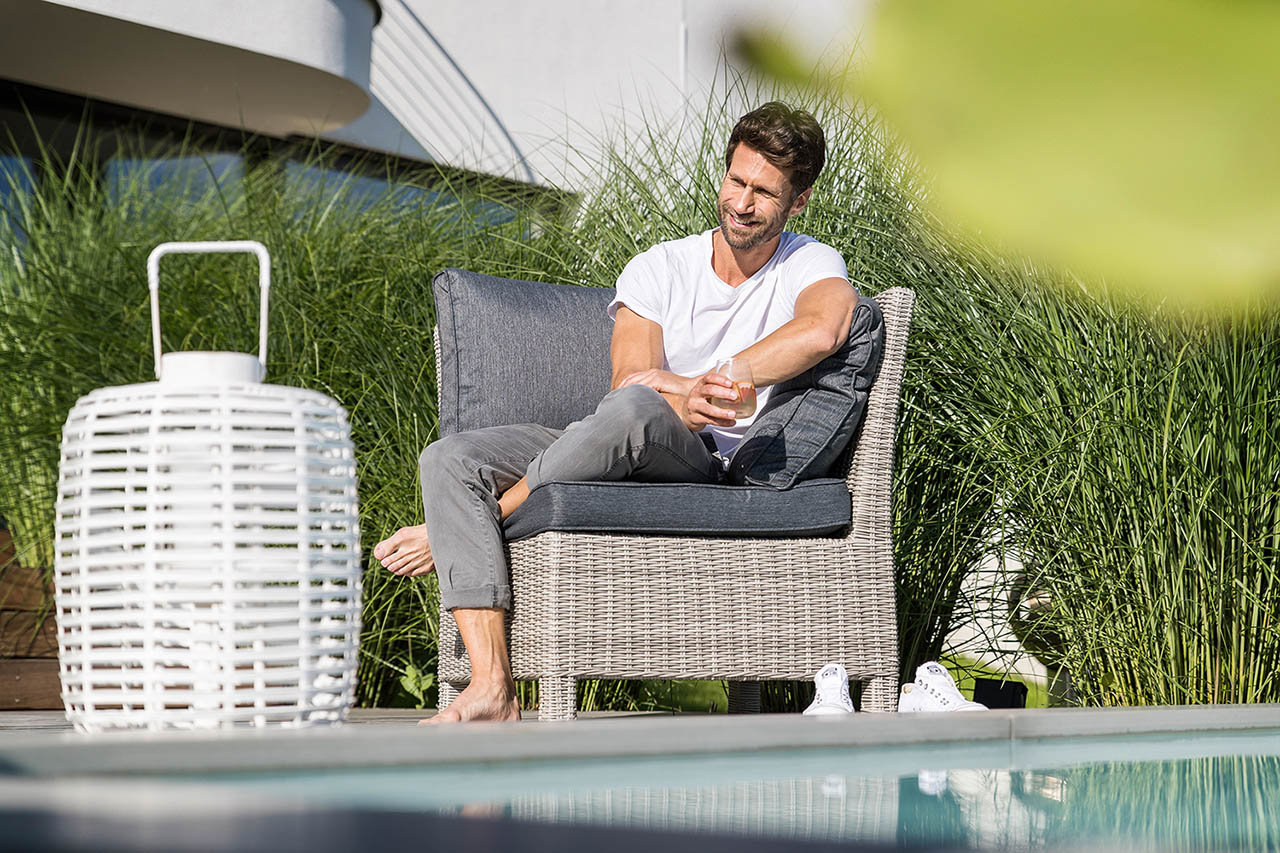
(401,564)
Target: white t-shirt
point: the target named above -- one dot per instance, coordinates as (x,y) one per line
(704,320)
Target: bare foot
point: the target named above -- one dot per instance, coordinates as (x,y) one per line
(479,702)
(406,552)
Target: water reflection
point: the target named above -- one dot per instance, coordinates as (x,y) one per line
(823,807)
(1231,801)
(975,808)
(1221,791)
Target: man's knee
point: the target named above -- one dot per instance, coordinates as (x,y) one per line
(632,407)
(446,457)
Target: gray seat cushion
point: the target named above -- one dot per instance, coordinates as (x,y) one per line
(519,352)
(811,420)
(812,508)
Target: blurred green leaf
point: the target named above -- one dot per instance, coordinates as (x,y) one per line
(1135,139)
(1127,140)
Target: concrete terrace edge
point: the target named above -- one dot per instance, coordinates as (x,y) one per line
(277,750)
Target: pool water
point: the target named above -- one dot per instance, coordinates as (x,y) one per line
(1188,791)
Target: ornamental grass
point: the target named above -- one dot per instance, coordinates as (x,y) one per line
(1129,459)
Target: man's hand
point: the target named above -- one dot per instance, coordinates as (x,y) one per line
(689,395)
(662,381)
(698,410)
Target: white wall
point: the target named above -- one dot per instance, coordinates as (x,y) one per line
(518,88)
(499,86)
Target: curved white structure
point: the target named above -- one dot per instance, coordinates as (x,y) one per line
(277,67)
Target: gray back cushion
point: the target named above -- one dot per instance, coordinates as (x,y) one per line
(810,420)
(519,352)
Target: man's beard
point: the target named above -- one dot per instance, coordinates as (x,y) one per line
(761,231)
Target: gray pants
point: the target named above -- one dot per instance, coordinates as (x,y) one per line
(633,434)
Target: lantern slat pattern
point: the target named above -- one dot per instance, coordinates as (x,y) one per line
(207,556)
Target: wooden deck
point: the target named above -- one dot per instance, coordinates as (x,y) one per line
(28,636)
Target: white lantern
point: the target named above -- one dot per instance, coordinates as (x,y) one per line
(207,560)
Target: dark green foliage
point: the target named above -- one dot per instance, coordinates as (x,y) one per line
(1137,461)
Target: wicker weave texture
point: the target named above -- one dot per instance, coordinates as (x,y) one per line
(207,563)
(602,606)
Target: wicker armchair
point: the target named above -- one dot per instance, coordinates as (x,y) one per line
(591,605)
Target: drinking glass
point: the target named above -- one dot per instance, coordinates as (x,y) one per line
(738,370)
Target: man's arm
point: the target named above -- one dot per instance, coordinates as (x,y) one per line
(636,346)
(824,311)
(636,354)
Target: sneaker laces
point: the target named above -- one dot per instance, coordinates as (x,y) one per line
(933,678)
(937,689)
(831,690)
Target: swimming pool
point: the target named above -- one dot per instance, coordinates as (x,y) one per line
(1197,778)
(1162,791)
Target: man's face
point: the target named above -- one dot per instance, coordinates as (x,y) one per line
(755,200)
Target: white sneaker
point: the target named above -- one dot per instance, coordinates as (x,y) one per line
(832,695)
(934,690)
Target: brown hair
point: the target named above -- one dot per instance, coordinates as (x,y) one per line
(787,137)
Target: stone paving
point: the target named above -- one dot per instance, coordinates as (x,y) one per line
(15,724)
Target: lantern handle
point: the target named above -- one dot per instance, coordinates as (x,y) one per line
(210,247)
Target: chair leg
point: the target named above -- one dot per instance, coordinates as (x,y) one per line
(557,698)
(449,691)
(880,694)
(744,697)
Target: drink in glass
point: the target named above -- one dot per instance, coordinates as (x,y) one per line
(738,371)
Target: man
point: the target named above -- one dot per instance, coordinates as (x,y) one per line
(746,289)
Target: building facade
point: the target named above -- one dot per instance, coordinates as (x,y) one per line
(505,87)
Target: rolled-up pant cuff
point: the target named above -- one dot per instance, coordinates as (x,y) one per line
(476,597)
